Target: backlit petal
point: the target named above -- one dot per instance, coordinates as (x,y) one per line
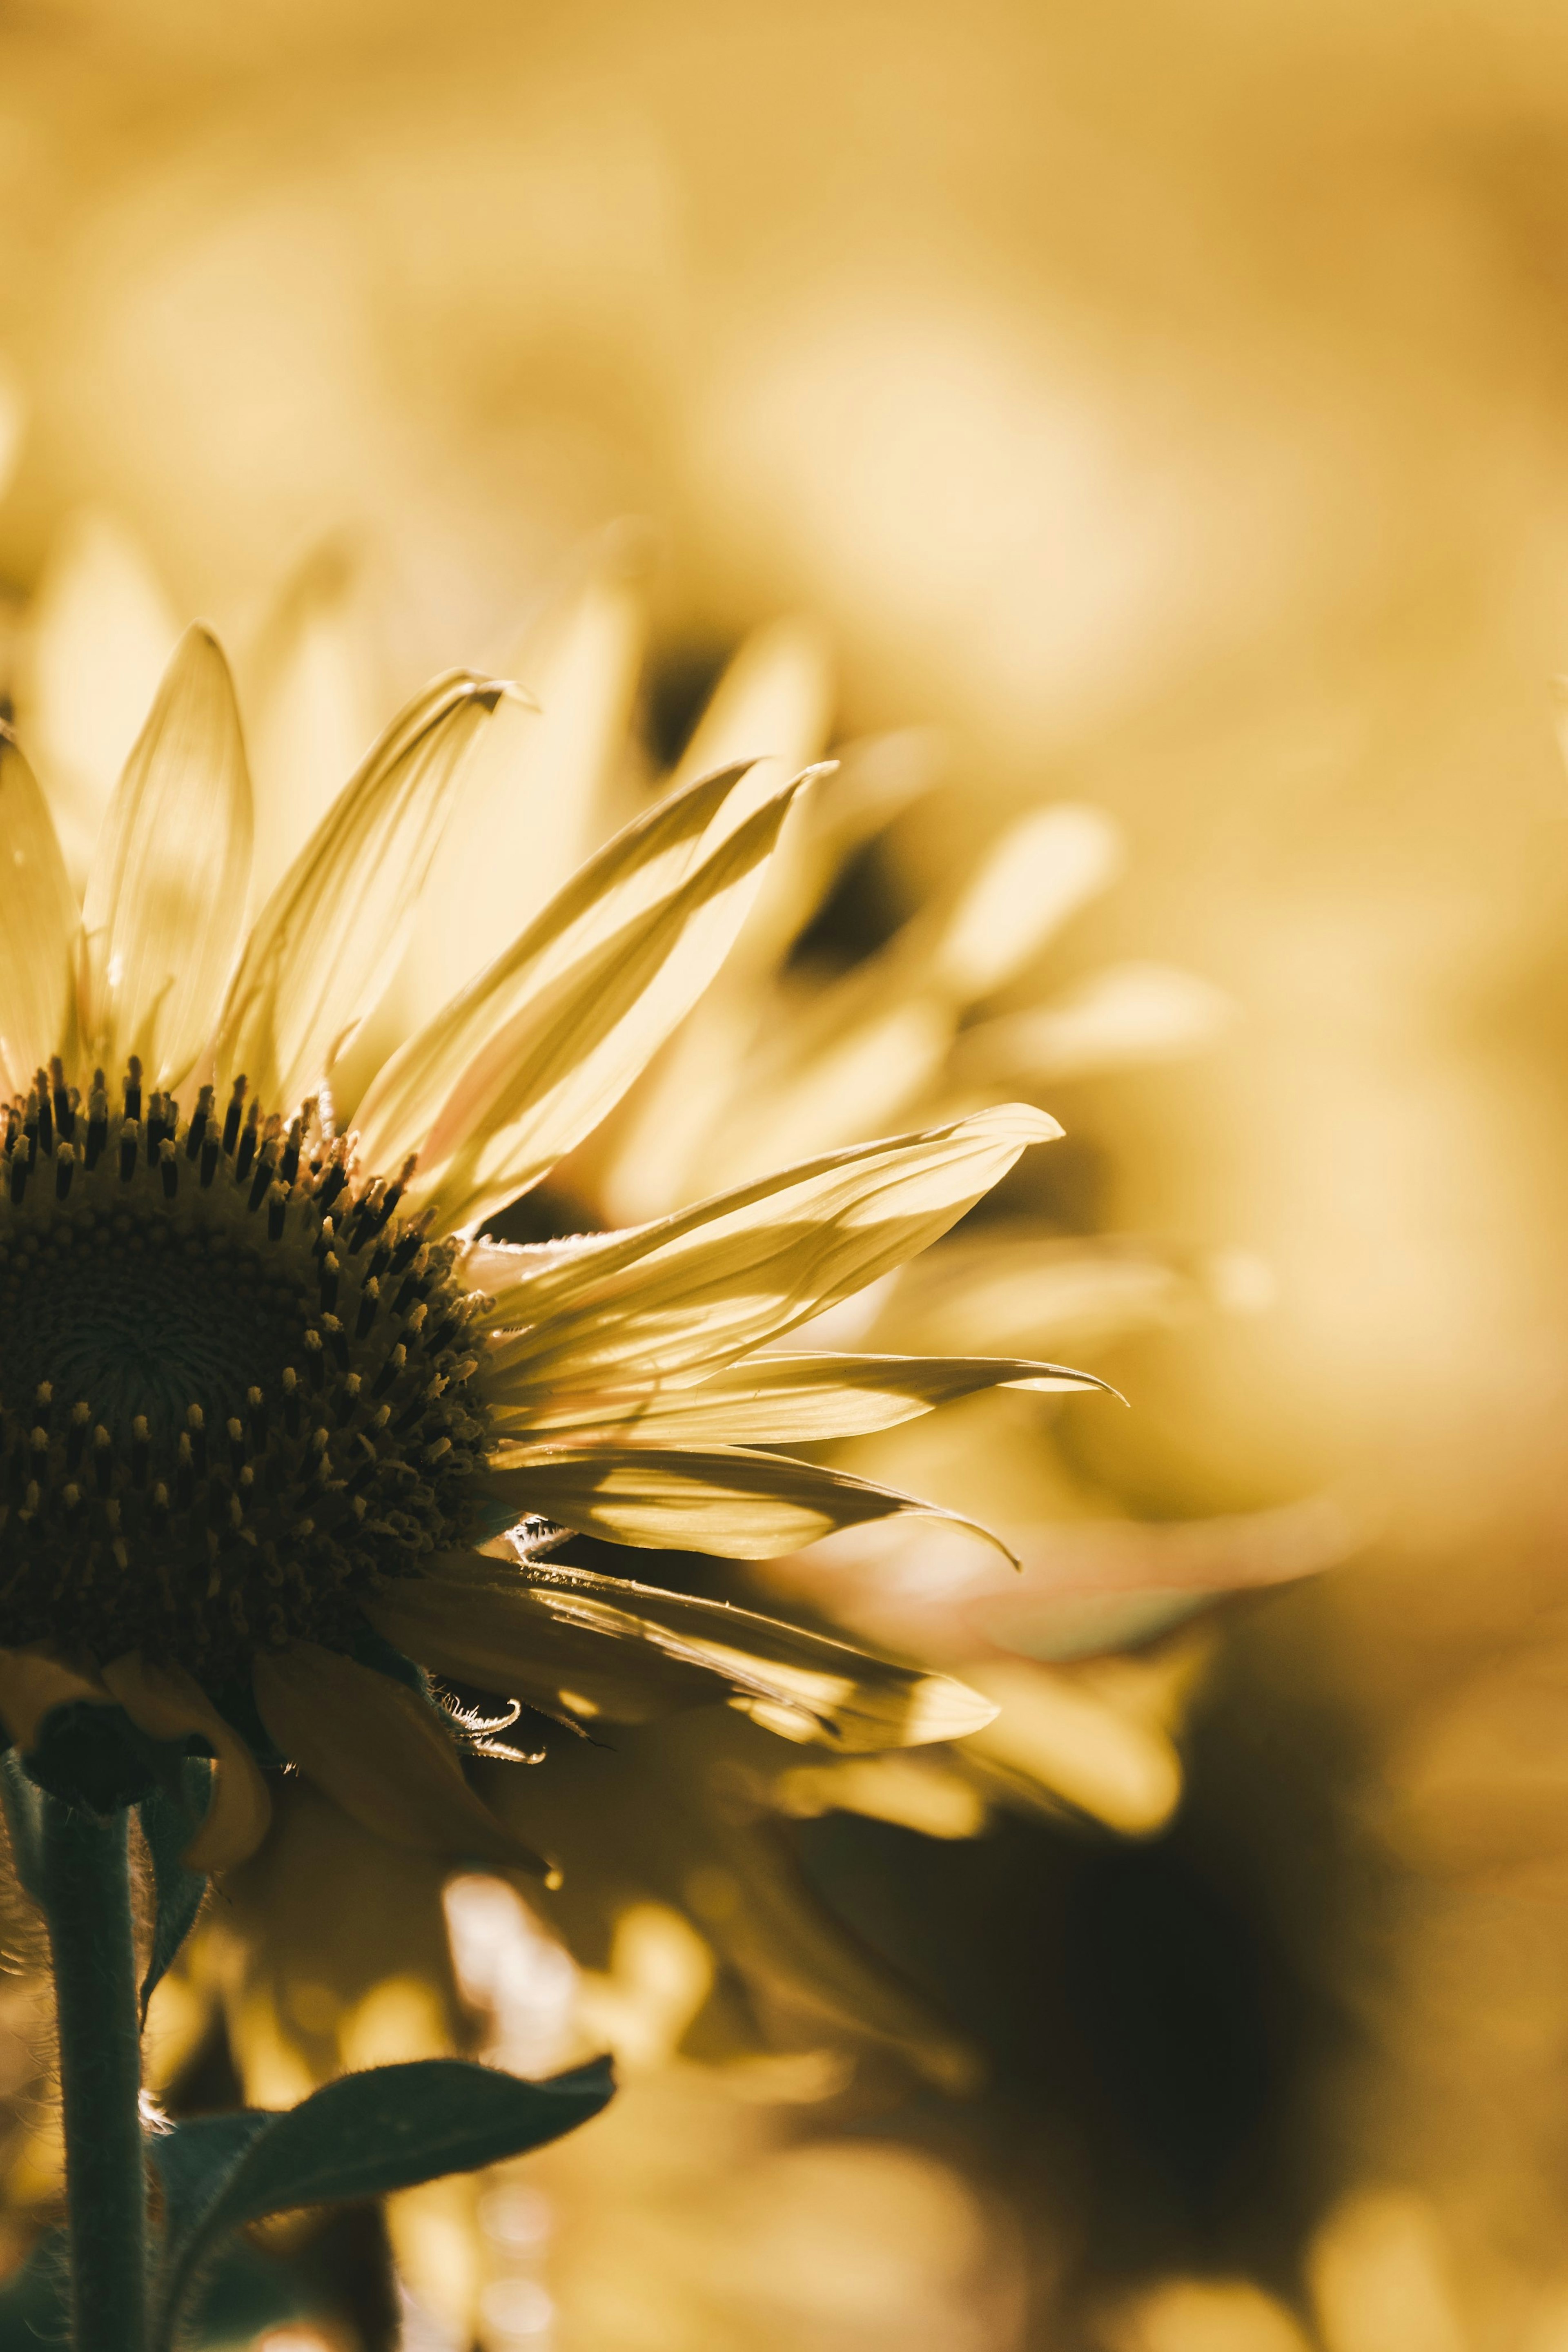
(1040,872)
(687,1295)
(553,1635)
(167,1703)
(38,934)
(547,1040)
(1128,1013)
(327,940)
(165,899)
(532,801)
(741,1504)
(793,1400)
(380,1751)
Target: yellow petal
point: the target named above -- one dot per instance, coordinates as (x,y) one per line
(1010,1290)
(380,1751)
(1131,1013)
(548,1038)
(773,702)
(100,633)
(845,1070)
(1040,872)
(661,1148)
(167,1703)
(533,803)
(796,1400)
(554,1634)
(32,1682)
(309,705)
(38,937)
(741,1504)
(1063,1735)
(327,940)
(165,899)
(691,1292)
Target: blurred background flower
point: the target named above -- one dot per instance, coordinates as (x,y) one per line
(1167,408)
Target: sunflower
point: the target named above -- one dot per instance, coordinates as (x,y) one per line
(276,1421)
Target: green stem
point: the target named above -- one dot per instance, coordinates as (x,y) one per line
(85,1891)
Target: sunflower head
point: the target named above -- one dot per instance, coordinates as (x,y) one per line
(239,1387)
(268,1401)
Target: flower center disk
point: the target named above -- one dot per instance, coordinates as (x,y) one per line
(236,1386)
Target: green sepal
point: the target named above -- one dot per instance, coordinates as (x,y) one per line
(362,2136)
(169,1821)
(94,1758)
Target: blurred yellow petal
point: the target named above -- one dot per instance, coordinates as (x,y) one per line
(533,795)
(309,708)
(100,636)
(380,1751)
(1042,871)
(1129,1013)
(774,702)
(1207,2316)
(553,1634)
(918,1792)
(32,1683)
(1379,2270)
(1063,1736)
(13,423)
(165,899)
(849,1067)
(37,939)
(167,1703)
(1011,1291)
(792,1399)
(325,943)
(697,1289)
(744,1505)
(550,1037)
(698,1101)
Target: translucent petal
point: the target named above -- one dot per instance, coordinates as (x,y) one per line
(773,702)
(167,1703)
(1040,872)
(1010,1292)
(38,935)
(1064,1735)
(100,633)
(532,801)
(553,1634)
(327,940)
(740,1505)
(380,1751)
(1128,1013)
(662,1146)
(796,1400)
(549,1038)
(693,1292)
(310,707)
(828,1078)
(165,899)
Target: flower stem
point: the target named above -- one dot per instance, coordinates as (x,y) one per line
(85,1884)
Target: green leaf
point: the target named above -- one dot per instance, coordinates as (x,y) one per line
(167,1824)
(361,2137)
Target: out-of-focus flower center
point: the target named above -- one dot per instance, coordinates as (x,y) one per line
(236,1386)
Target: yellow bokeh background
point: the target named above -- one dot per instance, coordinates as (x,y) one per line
(1169,404)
